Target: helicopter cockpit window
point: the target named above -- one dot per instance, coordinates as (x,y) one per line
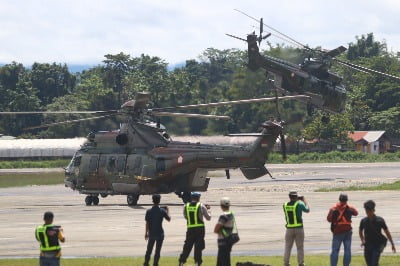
(121,163)
(93,163)
(77,161)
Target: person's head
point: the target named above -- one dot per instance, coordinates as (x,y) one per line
(343,198)
(156,198)
(225,203)
(48,217)
(369,207)
(195,196)
(293,195)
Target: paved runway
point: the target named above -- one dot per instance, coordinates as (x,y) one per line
(115,229)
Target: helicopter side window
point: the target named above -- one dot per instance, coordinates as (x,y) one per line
(160,164)
(77,161)
(111,164)
(102,161)
(93,163)
(121,163)
(137,164)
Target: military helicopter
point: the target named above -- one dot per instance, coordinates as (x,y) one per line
(312,78)
(141,158)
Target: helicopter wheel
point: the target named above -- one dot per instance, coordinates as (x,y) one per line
(95,200)
(88,200)
(132,199)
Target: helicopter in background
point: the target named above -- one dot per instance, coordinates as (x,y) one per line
(140,158)
(312,77)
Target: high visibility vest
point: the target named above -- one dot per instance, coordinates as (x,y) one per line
(47,243)
(292,221)
(192,215)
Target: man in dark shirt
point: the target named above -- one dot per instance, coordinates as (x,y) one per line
(154,232)
(371,235)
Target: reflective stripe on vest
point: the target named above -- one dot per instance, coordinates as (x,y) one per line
(291,215)
(192,215)
(41,235)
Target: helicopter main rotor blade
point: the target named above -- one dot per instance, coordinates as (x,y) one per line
(58,112)
(365,69)
(190,115)
(67,122)
(271,99)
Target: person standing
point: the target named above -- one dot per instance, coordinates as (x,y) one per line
(371,235)
(294,227)
(340,218)
(154,231)
(49,236)
(225,226)
(195,212)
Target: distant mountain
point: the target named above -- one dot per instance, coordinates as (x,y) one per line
(78,68)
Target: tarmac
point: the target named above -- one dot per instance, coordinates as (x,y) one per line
(115,229)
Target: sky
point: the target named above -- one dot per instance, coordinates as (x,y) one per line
(83,31)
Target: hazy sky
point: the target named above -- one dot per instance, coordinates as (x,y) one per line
(82,32)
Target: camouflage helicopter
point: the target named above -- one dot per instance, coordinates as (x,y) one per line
(312,78)
(140,157)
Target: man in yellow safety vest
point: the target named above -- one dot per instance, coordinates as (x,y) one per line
(294,226)
(48,235)
(194,213)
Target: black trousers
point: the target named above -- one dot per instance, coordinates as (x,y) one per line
(150,245)
(224,255)
(372,254)
(194,236)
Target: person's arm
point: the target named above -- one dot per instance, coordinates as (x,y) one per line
(60,235)
(389,236)
(217,228)
(361,234)
(353,210)
(206,212)
(329,216)
(304,207)
(166,214)
(146,233)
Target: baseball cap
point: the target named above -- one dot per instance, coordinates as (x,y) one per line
(195,194)
(293,194)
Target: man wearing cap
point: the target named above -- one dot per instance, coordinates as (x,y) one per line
(340,218)
(154,231)
(371,235)
(294,226)
(49,236)
(194,213)
(226,225)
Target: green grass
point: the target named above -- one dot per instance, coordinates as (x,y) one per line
(29,179)
(34,164)
(334,157)
(389,186)
(208,260)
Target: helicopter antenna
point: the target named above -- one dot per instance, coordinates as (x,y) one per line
(288,39)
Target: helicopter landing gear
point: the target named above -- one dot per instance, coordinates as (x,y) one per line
(132,199)
(89,200)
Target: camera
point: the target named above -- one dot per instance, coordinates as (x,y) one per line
(300,197)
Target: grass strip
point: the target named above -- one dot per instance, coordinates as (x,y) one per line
(30,179)
(317,260)
(388,186)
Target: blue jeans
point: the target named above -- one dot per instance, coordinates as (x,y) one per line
(48,261)
(336,242)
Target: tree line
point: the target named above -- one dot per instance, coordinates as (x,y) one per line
(217,75)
